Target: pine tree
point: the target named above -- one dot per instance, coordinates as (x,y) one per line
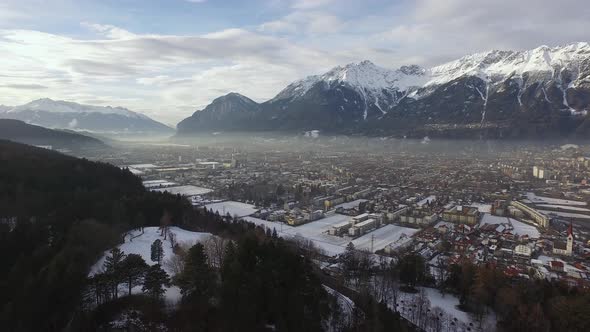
(196,282)
(274,233)
(350,259)
(113,268)
(134,269)
(157,251)
(155,280)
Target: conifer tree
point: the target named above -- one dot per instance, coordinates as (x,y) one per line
(155,280)
(157,251)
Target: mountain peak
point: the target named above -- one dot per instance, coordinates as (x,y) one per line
(234,97)
(52,113)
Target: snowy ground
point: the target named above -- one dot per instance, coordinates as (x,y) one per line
(185,190)
(547,200)
(141,245)
(565,207)
(346,305)
(233,208)
(518,227)
(494,220)
(521,229)
(317,231)
(566,214)
(383,236)
(448,305)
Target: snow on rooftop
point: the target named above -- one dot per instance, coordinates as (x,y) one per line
(481,207)
(429,199)
(351,205)
(519,228)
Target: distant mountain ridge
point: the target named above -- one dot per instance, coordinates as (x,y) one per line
(543,92)
(101,119)
(21,132)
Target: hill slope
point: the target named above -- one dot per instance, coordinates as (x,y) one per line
(18,131)
(57,216)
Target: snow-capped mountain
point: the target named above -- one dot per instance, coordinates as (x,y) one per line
(377,88)
(64,114)
(540,92)
(495,66)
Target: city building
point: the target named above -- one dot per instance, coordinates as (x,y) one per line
(461,214)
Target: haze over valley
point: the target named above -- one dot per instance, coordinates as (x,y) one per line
(295,165)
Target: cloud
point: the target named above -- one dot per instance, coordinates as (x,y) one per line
(168,74)
(453,28)
(109,31)
(310,4)
(162,74)
(304,22)
(24,86)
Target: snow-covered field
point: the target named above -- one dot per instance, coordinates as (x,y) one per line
(566,214)
(317,231)
(518,227)
(548,200)
(185,190)
(383,237)
(565,207)
(141,245)
(446,303)
(233,208)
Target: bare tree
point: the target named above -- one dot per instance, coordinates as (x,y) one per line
(215,249)
(176,262)
(172,239)
(165,222)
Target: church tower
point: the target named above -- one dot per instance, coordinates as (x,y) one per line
(570,240)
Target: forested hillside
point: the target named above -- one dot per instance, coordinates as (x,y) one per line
(57,215)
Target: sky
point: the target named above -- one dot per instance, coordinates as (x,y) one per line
(169,58)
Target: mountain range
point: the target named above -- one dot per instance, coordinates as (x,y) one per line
(69,115)
(543,92)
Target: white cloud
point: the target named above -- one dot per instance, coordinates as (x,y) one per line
(168,76)
(310,4)
(304,22)
(109,31)
(158,73)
